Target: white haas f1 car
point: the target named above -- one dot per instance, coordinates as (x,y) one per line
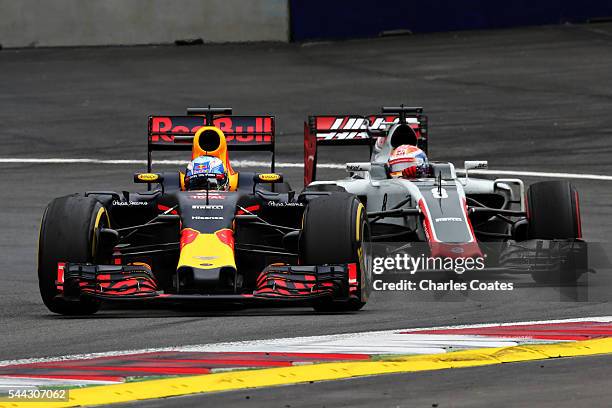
(535,231)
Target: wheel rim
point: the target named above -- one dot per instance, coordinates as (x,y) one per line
(364,257)
(102,220)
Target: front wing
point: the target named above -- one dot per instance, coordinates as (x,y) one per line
(137,282)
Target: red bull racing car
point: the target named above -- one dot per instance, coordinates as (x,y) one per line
(249,238)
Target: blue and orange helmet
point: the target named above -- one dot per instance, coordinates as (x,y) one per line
(206,173)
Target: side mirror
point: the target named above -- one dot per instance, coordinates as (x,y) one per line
(474,165)
(268,178)
(148,178)
(353,167)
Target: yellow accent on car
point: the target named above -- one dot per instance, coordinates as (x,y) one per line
(207,252)
(358,227)
(269,177)
(140,264)
(182,180)
(102,211)
(148,177)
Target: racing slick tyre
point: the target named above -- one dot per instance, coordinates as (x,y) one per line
(67,234)
(336,231)
(553,213)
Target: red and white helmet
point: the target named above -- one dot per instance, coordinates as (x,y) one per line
(405,160)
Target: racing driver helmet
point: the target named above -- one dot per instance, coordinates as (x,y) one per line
(407,161)
(206,173)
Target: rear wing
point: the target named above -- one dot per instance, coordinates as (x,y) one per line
(242,133)
(356,130)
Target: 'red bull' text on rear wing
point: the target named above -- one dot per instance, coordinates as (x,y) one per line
(242,133)
(356,130)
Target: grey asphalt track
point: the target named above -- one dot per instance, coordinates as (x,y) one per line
(535,99)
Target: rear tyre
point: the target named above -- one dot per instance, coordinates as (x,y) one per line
(68,234)
(554,214)
(336,231)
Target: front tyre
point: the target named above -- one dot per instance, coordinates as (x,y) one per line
(68,233)
(336,231)
(554,214)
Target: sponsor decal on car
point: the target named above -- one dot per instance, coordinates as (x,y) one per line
(448,219)
(148,177)
(283,204)
(205,218)
(245,129)
(341,124)
(129,203)
(206,207)
(211,196)
(269,177)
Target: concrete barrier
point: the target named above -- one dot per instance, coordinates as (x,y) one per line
(29,23)
(324,19)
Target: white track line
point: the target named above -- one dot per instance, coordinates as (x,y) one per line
(237,163)
(254,163)
(542,174)
(26,382)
